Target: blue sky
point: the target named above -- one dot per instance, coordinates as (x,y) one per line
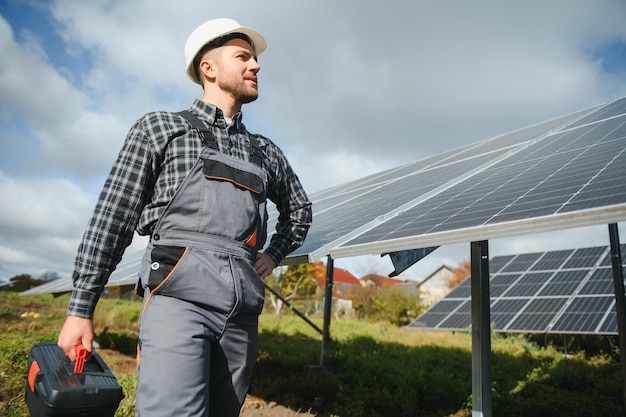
(612,57)
(344,94)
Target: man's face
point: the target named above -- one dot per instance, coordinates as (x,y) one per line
(237,70)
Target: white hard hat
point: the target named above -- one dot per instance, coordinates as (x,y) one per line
(214,29)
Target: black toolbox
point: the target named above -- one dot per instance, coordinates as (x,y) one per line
(53,389)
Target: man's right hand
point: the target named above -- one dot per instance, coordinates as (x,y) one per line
(76,330)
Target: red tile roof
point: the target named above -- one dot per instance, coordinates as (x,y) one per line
(339,276)
(382,281)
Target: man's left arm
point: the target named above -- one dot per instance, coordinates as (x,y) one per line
(294,209)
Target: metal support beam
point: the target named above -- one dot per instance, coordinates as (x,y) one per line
(481,330)
(292,308)
(328,303)
(403,260)
(620,300)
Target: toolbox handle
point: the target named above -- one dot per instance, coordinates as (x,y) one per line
(82,356)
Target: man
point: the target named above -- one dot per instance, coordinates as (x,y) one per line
(196,182)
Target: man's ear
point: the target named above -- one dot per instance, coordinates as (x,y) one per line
(208,68)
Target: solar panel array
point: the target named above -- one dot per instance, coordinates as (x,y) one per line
(349,210)
(563,173)
(126,274)
(564,292)
(560,177)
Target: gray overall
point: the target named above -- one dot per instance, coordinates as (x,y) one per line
(199,320)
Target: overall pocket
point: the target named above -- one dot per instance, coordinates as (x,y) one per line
(219,171)
(200,276)
(251,288)
(232,199)
(164,261)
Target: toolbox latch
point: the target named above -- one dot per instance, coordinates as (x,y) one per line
(33,373)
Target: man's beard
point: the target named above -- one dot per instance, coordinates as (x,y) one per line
(246,97)
(239,91)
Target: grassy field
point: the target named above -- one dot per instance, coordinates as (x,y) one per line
(376,369)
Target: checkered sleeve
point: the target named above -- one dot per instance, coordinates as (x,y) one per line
(293,205)
(112,224)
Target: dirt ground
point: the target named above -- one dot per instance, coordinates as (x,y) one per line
(256,407)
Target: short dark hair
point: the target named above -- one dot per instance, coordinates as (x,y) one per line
(216,43)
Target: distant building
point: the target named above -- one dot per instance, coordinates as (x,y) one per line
(345,287)
(378,281)
(436,286)
(342,281)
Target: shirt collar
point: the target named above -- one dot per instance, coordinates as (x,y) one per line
(214,116)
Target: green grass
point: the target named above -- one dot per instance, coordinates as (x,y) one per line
(375,369)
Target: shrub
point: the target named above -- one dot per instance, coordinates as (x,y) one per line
(375,368)
(390,305)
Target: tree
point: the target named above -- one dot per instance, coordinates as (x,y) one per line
(293,282)
(460,273)
(398,307)
(49,276)
(23,282)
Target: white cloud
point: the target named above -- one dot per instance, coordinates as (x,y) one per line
(84,145)
(41,223)
(29,84)
(72,138)
(41,203)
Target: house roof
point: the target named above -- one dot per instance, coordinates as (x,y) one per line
(437,272)
(381,281)
(340,276)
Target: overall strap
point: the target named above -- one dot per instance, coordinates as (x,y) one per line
(197,124)
(256,154)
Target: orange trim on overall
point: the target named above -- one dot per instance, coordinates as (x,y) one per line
(164,280)
(252,240)
(213,177)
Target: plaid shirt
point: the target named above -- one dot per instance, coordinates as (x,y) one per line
(159,150)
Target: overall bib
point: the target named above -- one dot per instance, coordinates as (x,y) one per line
(199,320)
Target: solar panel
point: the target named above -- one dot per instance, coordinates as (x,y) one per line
(552,260)
(461,319)
(613,109)
(564,172)
(584,315)
(380,197)
(601,282)
(565,291)
(334,222)
(521,262)
(537,315)
(126,273)
(530,285)
(506,310)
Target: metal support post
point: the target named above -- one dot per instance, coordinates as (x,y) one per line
(481,330)
(620,301)
(328,303)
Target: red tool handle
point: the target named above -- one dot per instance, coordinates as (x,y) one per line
(82,356)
